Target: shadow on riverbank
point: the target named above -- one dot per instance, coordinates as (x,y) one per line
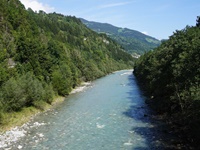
(155,133)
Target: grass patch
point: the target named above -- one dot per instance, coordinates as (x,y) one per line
(57,100)
(10,120)
(13,119)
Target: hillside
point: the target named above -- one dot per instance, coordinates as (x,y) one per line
(43,55)
(132,41)
(170,76)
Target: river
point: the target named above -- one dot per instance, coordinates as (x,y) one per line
(109,114)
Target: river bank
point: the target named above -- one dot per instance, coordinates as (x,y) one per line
(17,123)
(111,114)
(13,119)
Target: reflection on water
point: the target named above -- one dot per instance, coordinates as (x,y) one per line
(110,114)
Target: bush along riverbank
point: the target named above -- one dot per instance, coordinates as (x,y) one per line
(170,75)
(17,123)
(43,56)
(13,120)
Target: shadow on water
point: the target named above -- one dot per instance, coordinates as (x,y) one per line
(155,133)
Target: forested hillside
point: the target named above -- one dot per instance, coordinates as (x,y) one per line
(43,55)
(133,42)
(171,76)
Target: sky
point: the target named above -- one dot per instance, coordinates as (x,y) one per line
(157,18)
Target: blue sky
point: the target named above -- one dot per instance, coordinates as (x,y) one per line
(157,18)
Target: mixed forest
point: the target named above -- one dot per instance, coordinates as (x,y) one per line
(134,42)
(170,75)
(44,55)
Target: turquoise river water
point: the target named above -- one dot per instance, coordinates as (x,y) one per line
(109,114)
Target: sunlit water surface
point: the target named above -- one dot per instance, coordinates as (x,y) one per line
(110,114)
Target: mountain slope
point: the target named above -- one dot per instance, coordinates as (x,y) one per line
(42,55)
(133,41)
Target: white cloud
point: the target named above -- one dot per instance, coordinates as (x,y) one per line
(36,6)
(145,32)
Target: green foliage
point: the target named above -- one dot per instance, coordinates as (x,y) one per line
(198,21)
(132,41)
(45,54)
(171,75)
(61,80)
(24,91)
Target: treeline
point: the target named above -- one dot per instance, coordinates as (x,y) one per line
(171,76)
(43,55)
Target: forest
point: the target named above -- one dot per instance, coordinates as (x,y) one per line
(134,42)
(170,76)
(45,55)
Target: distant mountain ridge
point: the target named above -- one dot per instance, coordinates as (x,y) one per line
(134,42)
